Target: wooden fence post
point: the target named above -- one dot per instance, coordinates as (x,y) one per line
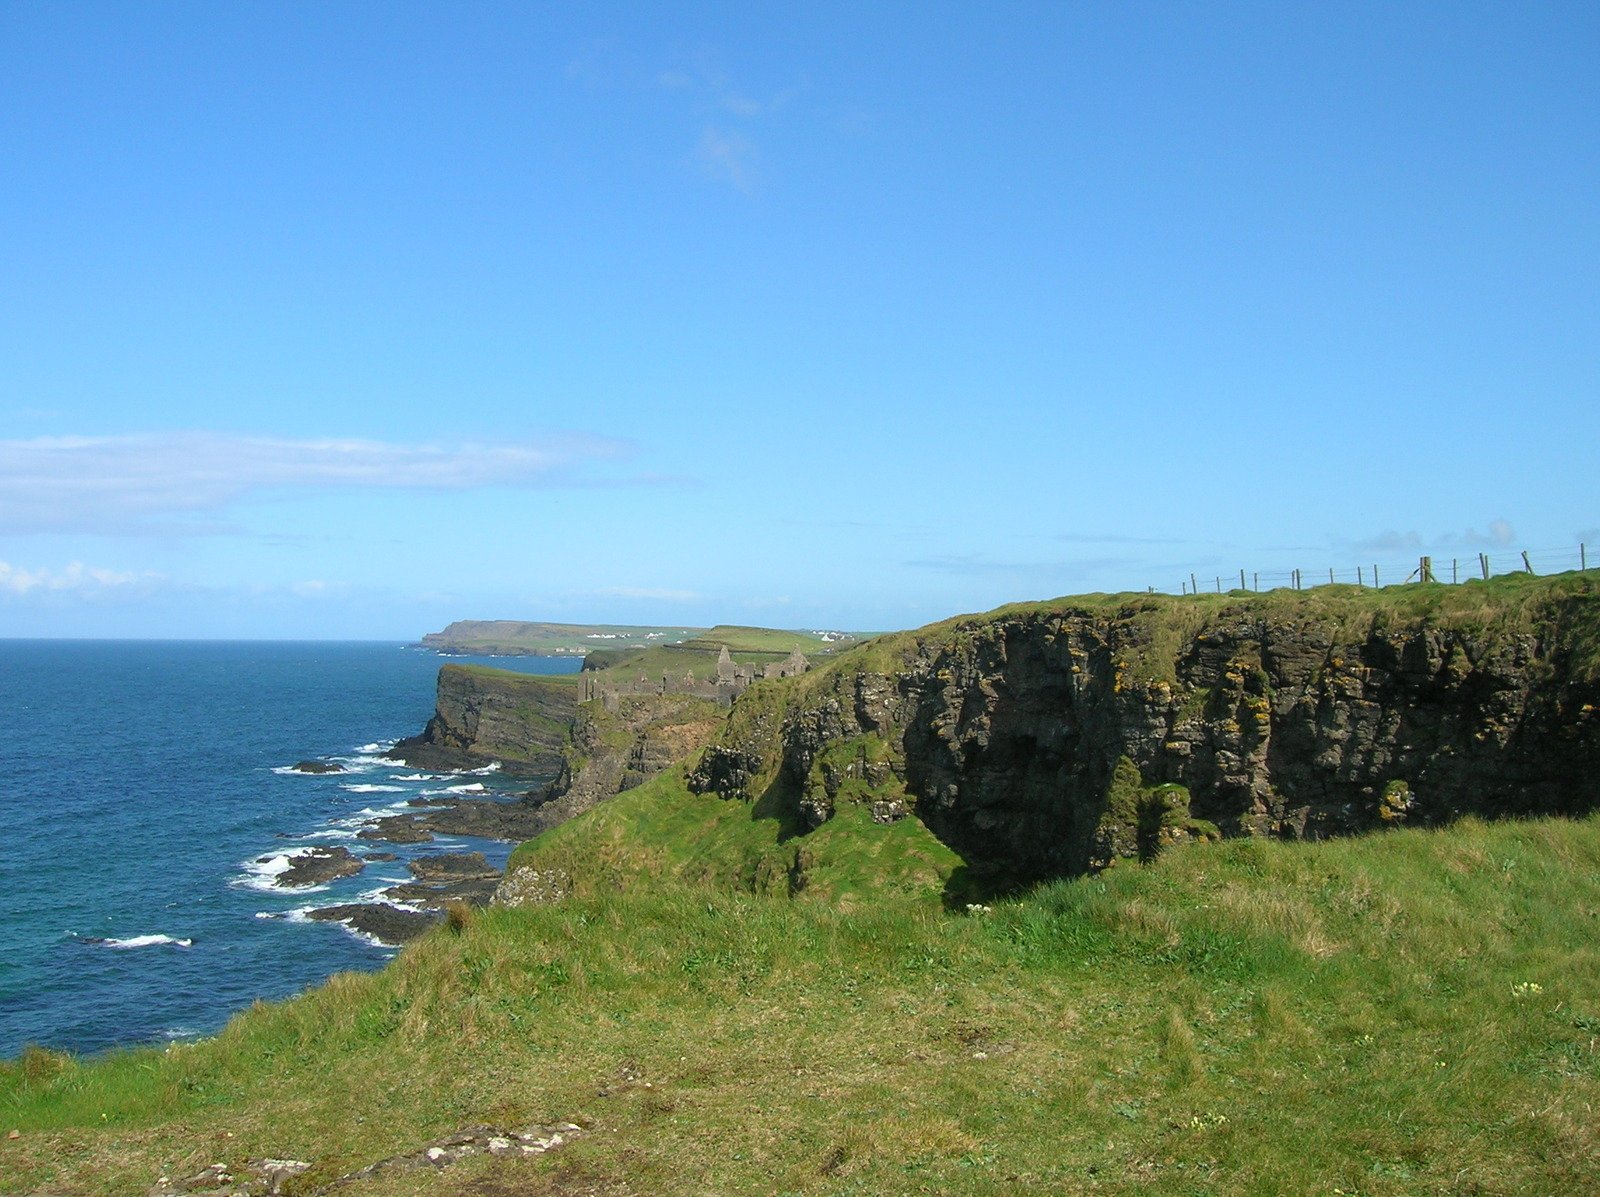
(1455,575)
(1360,576)
(1241,580)
(1194,587)
(1526,564)
(1375,582)
(1483,560)
(1257,577)
(1425,570)
(1583,556)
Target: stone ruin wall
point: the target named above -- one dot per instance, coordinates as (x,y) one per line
(728,680)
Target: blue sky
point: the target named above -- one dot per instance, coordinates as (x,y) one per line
(348,320)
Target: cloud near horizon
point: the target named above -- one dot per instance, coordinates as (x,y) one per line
(77,577)
(1499,535)
(157,482)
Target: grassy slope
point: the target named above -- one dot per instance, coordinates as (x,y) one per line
(1406,1013)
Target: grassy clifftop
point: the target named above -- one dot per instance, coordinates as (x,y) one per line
(1404,1014)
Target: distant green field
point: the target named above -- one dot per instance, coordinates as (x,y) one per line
(507,637)
(510,637)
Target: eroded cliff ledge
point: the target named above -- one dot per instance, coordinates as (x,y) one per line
(1054,738)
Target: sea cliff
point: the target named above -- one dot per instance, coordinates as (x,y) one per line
(481,715)
(1054,738)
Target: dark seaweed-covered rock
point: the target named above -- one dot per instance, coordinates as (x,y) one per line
(317,767)
(383,922)
(318,866)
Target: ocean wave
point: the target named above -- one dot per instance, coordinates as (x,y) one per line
(364,761)
(369,788)
(137,941)
(418,777)
(367,813)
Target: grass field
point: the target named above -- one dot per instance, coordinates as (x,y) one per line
(1408,1013)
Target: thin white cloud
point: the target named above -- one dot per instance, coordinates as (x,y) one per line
(648,592)
(77,577)
(1500,535)
(977,565)
(137,483)
(728,157)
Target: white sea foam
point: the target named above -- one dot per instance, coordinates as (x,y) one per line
(367,761)
(417,777)
(332,833)
(472,787)
(262,874)
(258,874)
(368,788)
(143,941)
(380,897)
(300,914)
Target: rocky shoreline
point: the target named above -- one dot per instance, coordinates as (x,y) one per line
(409,908)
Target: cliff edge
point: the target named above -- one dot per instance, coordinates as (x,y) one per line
(1055,738)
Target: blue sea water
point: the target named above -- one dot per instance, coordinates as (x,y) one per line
(142,783)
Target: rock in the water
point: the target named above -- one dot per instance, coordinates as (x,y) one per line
(317,767)
(383,922)
(396,829)
(452,866)
(318,866)
(475,891)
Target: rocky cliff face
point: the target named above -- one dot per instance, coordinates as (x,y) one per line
(623,742)
(1055,739)
(521,720)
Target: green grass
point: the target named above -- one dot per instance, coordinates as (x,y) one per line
(1156,628)
(761,640)
(1408,1013)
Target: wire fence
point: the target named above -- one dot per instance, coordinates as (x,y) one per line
(1429,568)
